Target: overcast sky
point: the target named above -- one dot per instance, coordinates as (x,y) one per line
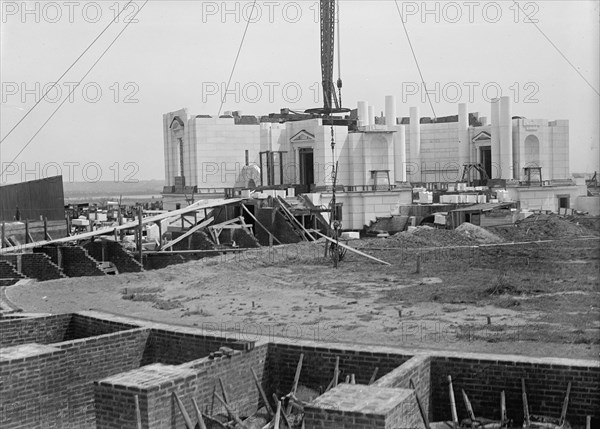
(181,53)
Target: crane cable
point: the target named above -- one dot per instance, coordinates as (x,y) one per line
(73,89)
(66,71)
(415,58)
(236,58)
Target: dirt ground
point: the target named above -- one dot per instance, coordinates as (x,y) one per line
(538,299)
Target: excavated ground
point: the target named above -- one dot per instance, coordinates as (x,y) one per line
(537,299)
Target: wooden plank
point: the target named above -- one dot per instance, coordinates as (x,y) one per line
(186,416)
(526,418)
(138,413)
(187,233)
(468,405)
(351,249)
(452,403)
(231,412)
(198,414)
(200,205)
(263,395)
(260,224)
(293,219)
(411,384)
(563,414)
(225,395)
(373,377)
(296,380)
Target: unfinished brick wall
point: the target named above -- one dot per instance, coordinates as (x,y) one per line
(42,330)
(37,266)
(177,346)
(156,261)
(51,386)
(9,271)
(319,363)
(81,326)
(417,369)
(280,227)
(113,252)
(76,262)
(196,241)
(483,377)
(155,384)
(53,253)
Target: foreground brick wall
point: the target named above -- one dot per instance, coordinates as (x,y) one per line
(177,346)
(155,384)
(42,330)
(417,368)
(483,377)
(82,326)
(319,363)
(52,387)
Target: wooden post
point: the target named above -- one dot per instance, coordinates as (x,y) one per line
(263,395)
(68,219)
(159,223)
(140,227)
(46,237)
(201,423)
(2,235)
(453,403)
(26,231)
(138,413)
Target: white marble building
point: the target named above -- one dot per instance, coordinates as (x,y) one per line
(375,157)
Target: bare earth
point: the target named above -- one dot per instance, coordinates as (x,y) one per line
(538,299)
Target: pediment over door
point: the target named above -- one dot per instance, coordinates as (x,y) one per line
(302,137)
(481,137)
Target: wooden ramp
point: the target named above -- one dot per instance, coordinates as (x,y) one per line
(200,205)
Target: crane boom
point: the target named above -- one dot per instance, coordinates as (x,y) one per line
(327,54)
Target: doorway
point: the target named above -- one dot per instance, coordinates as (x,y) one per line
(307,168)
(486,159)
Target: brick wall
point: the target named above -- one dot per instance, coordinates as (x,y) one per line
(483,377)
(76,262)
(81,326)
(53,388)
(417,368)
(196,241)
(52,251)
(280,227)
(155,384)
(157,261)
(179,346)
(37,266)
(9,271)
(319,363)
(115,253)
(42,330)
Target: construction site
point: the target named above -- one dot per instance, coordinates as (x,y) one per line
(324,269)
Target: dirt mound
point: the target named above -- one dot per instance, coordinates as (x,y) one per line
(478,234)
(425,236)
(542,227)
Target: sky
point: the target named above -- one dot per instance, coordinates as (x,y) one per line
(177,54)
